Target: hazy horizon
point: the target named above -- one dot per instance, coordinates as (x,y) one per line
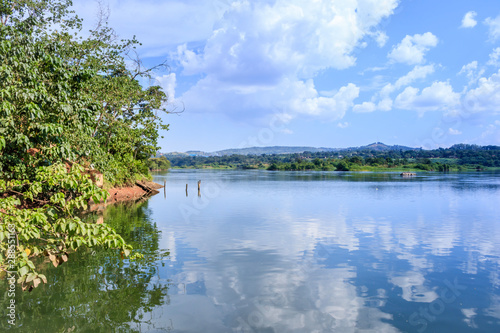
(303,146)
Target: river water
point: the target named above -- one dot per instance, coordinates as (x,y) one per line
(259,251)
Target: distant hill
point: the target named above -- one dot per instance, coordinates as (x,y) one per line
(271,150)
(198,153)
(379,146)
(174,153)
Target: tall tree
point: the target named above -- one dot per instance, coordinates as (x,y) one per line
(65,103)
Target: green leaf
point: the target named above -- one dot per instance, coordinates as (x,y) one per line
(31,265)
(23,271)
(30,277)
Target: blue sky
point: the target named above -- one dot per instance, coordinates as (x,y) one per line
(324,73)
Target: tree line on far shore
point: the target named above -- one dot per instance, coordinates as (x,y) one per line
(459,157)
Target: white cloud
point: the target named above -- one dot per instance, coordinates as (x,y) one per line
(373,69)
(406,99)
(343,125)
(168,83)
(452,131)
(305,100)
(491,135)
(290,96)
(469,20)
(486,97)
(494,27)
(472,72)
(159,25)
(259,40)
(438,97)
(412,49)
(388,89)
(495,58)
(365,107)
(262,55)
(467,69)
(381,38)
(419,72)
(385,103)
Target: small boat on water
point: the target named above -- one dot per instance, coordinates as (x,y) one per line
(408,174)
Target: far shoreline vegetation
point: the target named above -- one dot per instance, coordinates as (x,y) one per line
(458,158)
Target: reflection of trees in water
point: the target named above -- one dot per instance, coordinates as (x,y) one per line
(97,291)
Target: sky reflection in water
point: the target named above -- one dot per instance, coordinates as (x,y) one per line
(329,252)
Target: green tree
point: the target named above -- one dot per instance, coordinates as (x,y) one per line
(158,163)
(65,103)
(343,166)
(356,160)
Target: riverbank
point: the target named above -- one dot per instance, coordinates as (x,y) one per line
(129,193)
(364,168)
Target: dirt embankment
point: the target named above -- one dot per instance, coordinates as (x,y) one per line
(138,191)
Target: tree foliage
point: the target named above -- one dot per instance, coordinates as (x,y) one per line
(159,163)
(456,158)
(96,291)
(67,104)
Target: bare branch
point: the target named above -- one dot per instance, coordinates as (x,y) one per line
(4,21)
(102,14)
(23,195)
(173,111)
(139,71)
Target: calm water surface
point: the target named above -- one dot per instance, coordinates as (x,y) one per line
(259,251)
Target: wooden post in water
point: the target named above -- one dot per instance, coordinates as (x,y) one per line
(186,190)
(199,188)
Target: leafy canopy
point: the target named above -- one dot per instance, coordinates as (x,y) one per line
(67,104)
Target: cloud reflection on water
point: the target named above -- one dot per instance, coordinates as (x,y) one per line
(327,256)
